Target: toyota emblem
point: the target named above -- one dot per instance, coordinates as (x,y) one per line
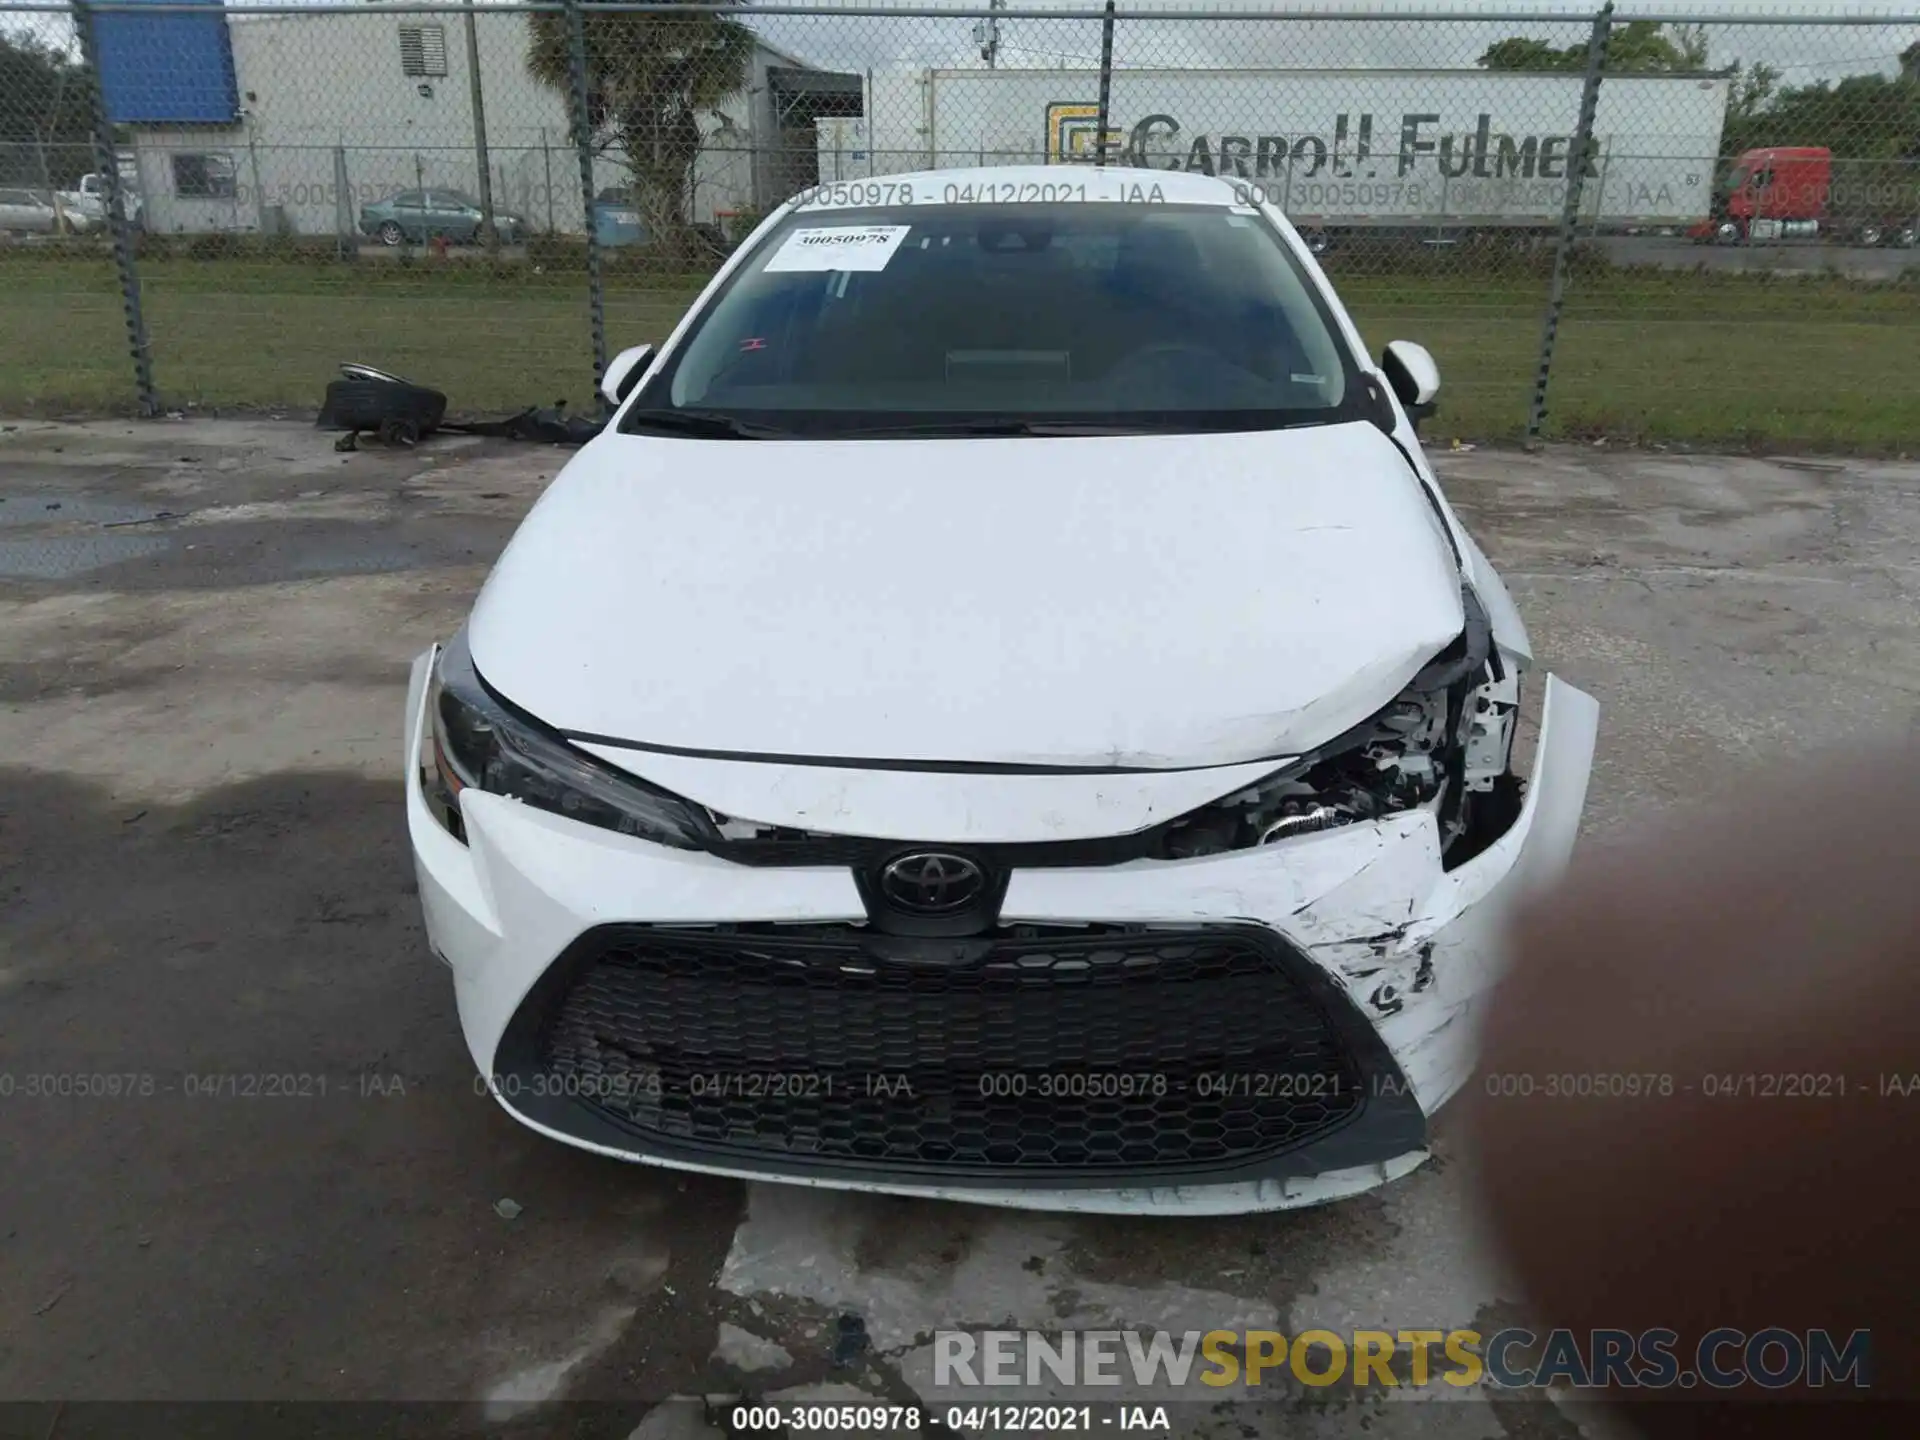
(930,883)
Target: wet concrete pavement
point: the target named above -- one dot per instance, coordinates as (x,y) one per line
(283,1184)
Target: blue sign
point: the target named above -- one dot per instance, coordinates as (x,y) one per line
(173,67)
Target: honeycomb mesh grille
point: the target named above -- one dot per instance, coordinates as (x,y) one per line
(1039,1049)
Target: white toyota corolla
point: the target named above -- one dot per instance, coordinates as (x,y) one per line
(1003,712)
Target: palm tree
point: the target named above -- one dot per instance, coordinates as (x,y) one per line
(650,77)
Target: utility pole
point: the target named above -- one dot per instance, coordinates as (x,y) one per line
(53,129)
(987,33)
(1106,89)
(1577,160)
(489,232)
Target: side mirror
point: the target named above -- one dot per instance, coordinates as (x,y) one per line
(623,373)
(1414,377)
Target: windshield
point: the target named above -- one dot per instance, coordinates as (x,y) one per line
(1121,315)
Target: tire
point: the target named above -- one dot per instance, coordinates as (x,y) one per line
(1871,235)
(1907,237)
(390,233)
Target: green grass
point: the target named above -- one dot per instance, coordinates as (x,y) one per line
(1702,358)
(259,336)
(1705,358)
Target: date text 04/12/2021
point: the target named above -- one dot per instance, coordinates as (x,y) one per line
(227,1084)
(653,1083)
(910,1419)
(872,193)
(1772,1085)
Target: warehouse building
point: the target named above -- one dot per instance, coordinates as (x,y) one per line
(292,123)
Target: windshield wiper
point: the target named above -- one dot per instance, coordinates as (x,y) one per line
(700,422)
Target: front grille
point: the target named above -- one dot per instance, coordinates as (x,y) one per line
(1036,1049)
(774,847)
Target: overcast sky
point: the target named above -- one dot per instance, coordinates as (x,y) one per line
(1399,38)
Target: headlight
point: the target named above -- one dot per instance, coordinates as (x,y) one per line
(477,741)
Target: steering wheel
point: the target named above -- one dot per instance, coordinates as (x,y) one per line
(1166,360)
(1172,372)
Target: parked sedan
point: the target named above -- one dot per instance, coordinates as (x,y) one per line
(422,215)
(33,212)
(1004,712)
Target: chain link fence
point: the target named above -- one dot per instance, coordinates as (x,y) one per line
(1690,228)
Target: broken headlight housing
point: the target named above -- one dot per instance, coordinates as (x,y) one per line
(1448,733)
(475,740)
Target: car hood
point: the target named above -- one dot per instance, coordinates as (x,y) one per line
(1155,602)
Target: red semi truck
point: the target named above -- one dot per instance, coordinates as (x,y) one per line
(1800,192)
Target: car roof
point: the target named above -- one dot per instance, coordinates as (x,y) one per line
(1110,182)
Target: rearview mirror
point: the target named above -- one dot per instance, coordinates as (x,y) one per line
(1413,375)
(623,372)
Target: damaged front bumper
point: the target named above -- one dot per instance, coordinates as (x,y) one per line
(1399,950)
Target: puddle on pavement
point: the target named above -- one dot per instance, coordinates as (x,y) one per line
(357,558)
(18,512)
(62,557)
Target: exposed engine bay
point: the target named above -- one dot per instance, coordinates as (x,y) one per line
(1444,743)
(1443,750)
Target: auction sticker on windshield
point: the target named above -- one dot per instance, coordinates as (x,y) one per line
(839,247)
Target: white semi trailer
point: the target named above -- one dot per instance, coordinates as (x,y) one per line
(1335,149)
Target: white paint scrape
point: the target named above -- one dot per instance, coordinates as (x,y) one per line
(748,1352)
(536,1384)
(806,1243)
